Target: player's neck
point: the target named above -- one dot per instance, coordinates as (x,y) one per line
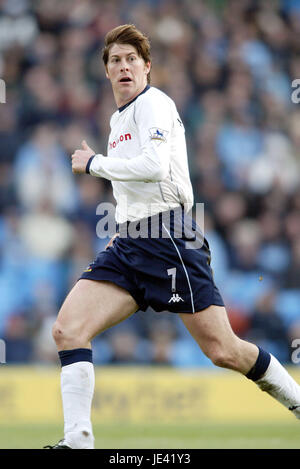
(122,100)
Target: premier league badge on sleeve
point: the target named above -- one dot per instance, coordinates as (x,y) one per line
(158,135)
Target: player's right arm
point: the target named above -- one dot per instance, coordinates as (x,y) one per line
(154,123)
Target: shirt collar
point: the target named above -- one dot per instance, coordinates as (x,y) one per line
(128,104)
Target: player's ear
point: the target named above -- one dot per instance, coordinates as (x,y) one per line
(147,67)
(106,72)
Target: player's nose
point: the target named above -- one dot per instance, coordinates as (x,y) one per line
(124,65)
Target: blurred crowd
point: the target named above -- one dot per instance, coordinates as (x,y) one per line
(229,66)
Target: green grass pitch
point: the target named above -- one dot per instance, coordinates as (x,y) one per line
(125,436)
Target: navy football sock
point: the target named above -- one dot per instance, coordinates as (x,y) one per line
(260,366)
(67,357)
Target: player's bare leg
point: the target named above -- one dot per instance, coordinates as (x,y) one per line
(89,309)
(213,333)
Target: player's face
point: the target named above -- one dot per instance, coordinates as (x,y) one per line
(127,72)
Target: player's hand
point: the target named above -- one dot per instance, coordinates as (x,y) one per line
(81,157)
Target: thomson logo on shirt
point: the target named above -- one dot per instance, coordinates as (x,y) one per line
(122,138)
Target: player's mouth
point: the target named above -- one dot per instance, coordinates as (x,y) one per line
(125,80)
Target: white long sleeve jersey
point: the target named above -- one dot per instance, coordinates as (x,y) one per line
(146,158)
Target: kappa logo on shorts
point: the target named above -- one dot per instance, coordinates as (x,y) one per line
(175,298)
(159,135)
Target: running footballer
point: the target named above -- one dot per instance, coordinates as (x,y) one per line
(147,164)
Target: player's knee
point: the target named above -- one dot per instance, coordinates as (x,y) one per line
(223,358)
(58,333)
(65,337)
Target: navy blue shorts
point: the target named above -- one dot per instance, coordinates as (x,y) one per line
(163,261)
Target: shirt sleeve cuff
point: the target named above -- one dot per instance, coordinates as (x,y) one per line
(87,169)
